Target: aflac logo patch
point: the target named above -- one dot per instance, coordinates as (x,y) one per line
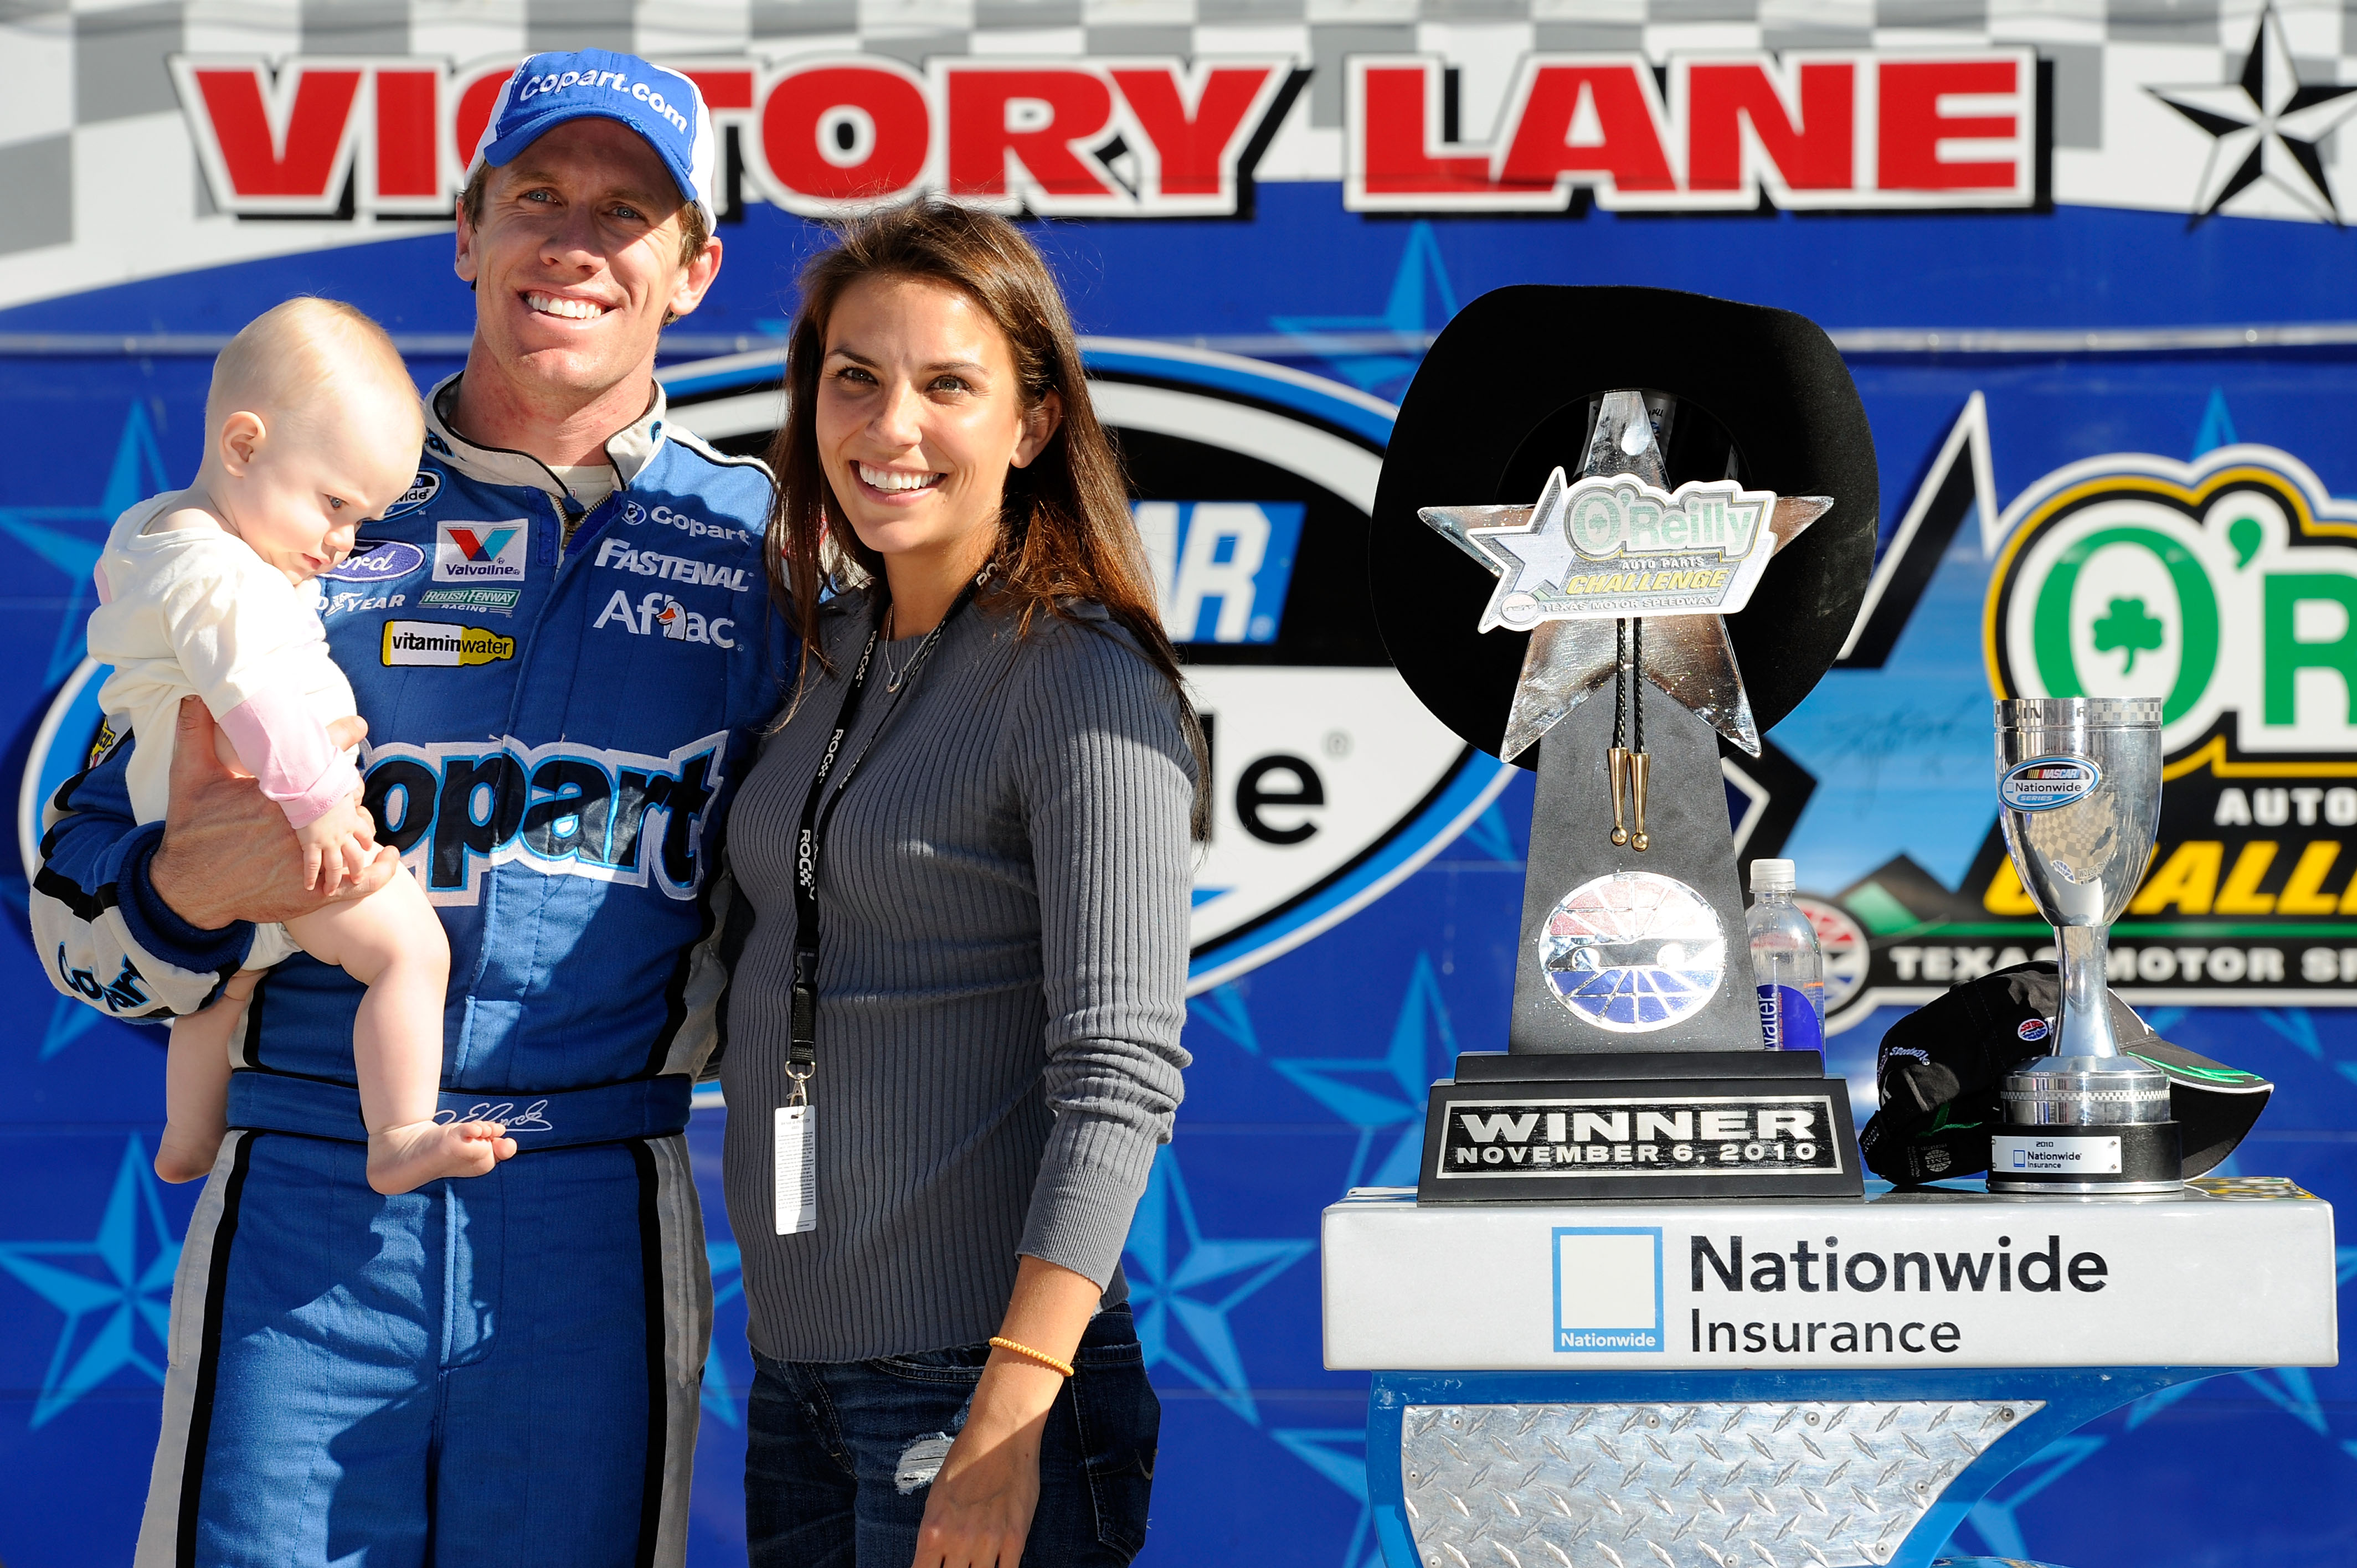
(376,561)
(422,488)
(480,552)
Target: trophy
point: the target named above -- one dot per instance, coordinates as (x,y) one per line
(2079,796)
(1636,474)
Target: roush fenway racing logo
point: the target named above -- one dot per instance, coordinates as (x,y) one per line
(819,135)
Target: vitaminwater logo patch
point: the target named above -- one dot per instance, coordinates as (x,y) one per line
(433,642)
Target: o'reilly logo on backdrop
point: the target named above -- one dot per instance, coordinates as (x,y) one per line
(1607,1288)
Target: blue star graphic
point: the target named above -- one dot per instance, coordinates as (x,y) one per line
(728,1284)
(1993,1517)
(1423,1046)
(1170,1279)
(1339,1454)
(1382,350)
(69,538)
(107,1306)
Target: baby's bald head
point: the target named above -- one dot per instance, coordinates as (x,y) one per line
(323,368)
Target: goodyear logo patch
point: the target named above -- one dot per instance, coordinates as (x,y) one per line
(455,809)
(434,642)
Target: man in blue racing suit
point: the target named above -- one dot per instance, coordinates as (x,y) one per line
(562,644)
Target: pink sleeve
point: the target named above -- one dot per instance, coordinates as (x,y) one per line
(290,756)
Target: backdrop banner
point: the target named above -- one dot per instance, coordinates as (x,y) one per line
(2089,266)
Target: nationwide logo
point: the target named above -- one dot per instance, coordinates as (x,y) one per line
(433,642)
(480,552)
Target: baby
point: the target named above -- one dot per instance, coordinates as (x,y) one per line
(312,426)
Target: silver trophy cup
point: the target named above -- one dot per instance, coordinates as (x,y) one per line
(2079,795)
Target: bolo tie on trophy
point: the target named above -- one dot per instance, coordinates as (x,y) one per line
(1628,763)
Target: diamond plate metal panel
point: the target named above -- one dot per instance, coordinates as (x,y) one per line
(1684,1486)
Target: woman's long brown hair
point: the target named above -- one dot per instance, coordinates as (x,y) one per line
(1065,531)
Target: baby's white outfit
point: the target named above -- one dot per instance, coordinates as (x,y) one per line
(195,612)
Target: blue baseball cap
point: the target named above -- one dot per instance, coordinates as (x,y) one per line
(663,106)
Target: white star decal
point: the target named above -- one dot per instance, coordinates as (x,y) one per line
(2267,127)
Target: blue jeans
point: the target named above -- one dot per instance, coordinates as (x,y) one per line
(838,1465)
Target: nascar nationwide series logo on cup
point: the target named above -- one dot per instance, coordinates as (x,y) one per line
(2227,589)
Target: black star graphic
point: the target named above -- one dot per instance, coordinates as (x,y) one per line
(2267,127)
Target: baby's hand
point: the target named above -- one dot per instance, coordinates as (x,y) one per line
(336,846)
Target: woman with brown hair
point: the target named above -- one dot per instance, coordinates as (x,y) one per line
(953,1029)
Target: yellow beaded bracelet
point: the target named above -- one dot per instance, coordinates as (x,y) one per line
(1045,1360)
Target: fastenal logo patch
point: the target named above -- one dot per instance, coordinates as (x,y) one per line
(376,561)
(1572,1137)
(480,552)
(434,642)
(1607,1288)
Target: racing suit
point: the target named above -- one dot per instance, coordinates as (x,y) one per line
(509,1363)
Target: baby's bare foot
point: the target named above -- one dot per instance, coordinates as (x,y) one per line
(404,1158)
(183,1155)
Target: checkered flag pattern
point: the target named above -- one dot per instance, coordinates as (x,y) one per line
(90,123)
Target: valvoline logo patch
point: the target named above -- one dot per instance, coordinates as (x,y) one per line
(480,552)
(377,561)
(2033,1029)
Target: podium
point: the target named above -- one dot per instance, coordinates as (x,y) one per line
(1780,1383)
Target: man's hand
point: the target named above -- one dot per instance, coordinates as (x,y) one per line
(228,854)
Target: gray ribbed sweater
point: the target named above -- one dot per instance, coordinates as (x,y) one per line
(1002,967)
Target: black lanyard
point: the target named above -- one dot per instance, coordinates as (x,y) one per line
(810,841)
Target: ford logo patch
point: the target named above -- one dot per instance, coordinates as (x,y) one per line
(377,561)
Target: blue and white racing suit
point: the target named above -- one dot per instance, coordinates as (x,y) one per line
(511,1363)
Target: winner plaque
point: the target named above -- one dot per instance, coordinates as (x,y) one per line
(1617,529)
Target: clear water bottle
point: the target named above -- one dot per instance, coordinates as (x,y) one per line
(1786,962)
